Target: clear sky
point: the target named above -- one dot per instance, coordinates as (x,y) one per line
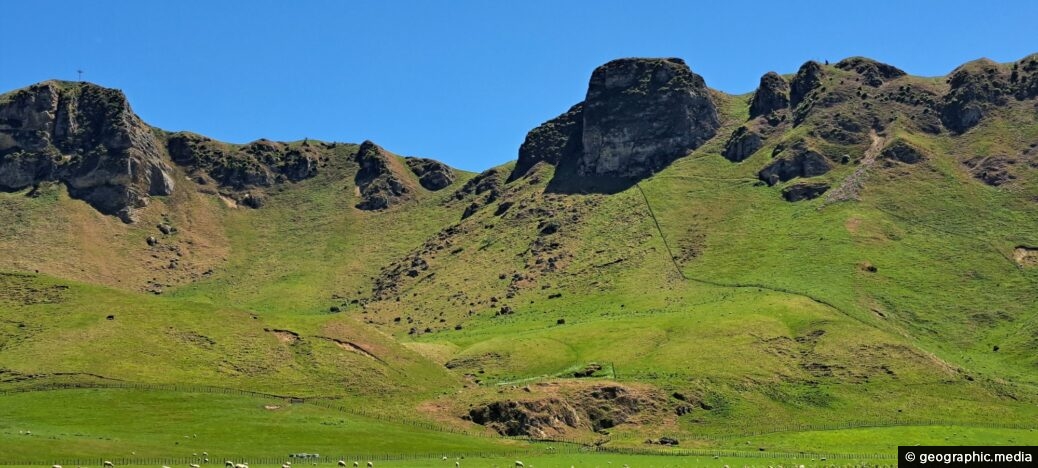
(459,81)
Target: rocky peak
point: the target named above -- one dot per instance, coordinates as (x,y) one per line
(807,79)
(551,142)
(380,179)
(974,88)
(872,72)
(85,136)
(772,94)
(642,114)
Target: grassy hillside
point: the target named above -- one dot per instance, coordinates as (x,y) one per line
(697,304)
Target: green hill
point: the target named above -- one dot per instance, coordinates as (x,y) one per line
(829,264)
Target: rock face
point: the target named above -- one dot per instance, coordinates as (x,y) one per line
(975,88)
(873,73)
(88,138)
(1024,77)
(642,114)
(261,163)
(772,95)
(798,161)
(551,142)
(433,175)
(804,191)
(742,144)
(901,151)
(595,408)
(380,179)
(807,79)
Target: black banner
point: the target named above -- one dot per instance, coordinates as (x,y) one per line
(975,456)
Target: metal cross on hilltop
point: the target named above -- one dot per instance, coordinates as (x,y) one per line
(80,73)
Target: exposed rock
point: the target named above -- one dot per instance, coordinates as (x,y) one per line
(1026,256)
(772,94)
(87,137)
(594,409)
(798,161)
(993,170)
(554,140)
(807,79)
(873,73)
(487,181)
(742,144)
(379,180)
(901,151)
(433,175)
(1024,77)
(642,114)
(261,163)
(804,191)
(976,87)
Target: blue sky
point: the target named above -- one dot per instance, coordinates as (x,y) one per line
(459,81)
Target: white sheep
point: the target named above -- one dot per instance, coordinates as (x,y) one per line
(108,463)
(342,462)
(370,465)
(519,464)
(164,466)
(241,465)
(194,465)
(228,464)
(56,466)
(356,464)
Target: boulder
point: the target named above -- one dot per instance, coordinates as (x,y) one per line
(642,114)
(433,175)
(772,95)
(743,143)
(798,161)
(804,191)
(901,151)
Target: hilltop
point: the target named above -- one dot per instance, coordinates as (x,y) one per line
(848,245)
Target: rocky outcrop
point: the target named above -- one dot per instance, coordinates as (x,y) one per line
(642,114)
(975,88)
(804,191)
(798,161)
(807,79)
(261,163)
(551,142)
(902,151)
(873,73)
(1024,77)
(591,409)
(380,178)
(742,144)
(433,175)
(772,95)
(88,138)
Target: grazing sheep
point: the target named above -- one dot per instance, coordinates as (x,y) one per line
(164,466)
(108,463)
(228,464)
(241,465)
(342,462)
(519,464)
(194,465)
(56,466)
(370,465)
(457,464)
(356,464)
(444,458)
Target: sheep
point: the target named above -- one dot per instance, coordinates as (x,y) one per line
(457,464)
(56,466)
(164,466)
(519,464)
(286,466)
(228,464)
(356,464)
(194,465)
(108,464)
(342,462)
(371,465)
